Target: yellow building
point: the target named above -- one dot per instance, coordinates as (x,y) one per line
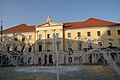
(92,33)
(71,39)
(22,33)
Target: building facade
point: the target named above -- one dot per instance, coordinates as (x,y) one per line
(70,38)
(92,33)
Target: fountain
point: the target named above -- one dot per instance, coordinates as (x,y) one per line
(18,55)
(59,72)
(104,55)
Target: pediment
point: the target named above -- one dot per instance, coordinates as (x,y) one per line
(49,24)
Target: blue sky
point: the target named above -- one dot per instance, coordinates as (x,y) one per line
(32,12)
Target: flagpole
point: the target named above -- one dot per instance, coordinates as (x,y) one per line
(1,31)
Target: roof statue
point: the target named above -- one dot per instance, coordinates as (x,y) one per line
(49,19)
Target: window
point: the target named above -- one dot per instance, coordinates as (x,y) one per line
(100,45)
(69,35)
(57,35)
(88,34)
(110,44)
(79,46)
(40,47)
(29,48)
(48,35)
(78,34)
(58,46)
(98,33)
(15,38)
(69,45)
(30,37)
(109,33)
(118,31)
(48,46)
(23,38)
(15,47)
(90,45)
(53,35)
(40,36)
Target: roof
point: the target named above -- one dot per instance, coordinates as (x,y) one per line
(91,22)
(19,28)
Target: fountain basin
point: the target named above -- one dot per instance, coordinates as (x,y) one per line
(83,72)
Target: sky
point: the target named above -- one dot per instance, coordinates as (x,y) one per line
(34,12)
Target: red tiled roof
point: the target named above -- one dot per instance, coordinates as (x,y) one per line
(91,22)
(19,28)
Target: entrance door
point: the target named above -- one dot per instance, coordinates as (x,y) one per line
(40,48)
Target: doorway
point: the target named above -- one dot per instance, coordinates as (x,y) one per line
(30,49)
(50,59)
(45,59)
(40,48)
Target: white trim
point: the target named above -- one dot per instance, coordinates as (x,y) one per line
(48,28)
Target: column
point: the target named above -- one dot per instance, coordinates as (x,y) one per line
(67,59)
(53,40)
(73,59)
(83,58)
(59,58)
(48,58)
(36,59)
(42,58)
(61,39)
(53,58)
(45,40)
(36,43)
(62,61)
(88,59)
